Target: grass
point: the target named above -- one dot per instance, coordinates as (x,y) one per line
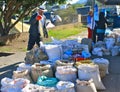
(5,49)
(64,31)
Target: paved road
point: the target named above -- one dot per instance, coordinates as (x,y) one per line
(9,63)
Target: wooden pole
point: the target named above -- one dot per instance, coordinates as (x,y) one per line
(93,3)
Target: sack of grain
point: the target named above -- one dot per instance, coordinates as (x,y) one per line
(21,74)
(65,86)
(103,66)
(35,55)
(85,86)
(66,73)
(88,71)
(39,70)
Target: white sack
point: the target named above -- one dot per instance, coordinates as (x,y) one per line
(23,66)
(85,86)
(16,85)
(66,69)
(54,52)
(102,63)
(87,72)
(115,50)
(65,86)
(109,43)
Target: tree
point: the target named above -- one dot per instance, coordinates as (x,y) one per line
(22,7)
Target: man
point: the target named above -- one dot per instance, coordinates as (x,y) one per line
(90,24)
(37,29)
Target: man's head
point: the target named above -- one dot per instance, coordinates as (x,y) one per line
(41,10)
(90,13)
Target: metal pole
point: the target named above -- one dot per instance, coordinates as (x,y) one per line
(93,3)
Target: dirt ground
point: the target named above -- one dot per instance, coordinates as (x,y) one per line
(19,43)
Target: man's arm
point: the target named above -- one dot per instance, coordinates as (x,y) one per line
(33,19)
(45,30)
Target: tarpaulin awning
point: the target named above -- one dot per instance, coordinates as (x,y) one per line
(110,2)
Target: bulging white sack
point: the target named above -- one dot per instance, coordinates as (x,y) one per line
(89,71)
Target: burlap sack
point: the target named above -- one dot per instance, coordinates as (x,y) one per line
(35,55)
(83,62)
(102,69)
(103,66)
(63,63)
(102,73)
(88,42)
(22,74)
(39,70)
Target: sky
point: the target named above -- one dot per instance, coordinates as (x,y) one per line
(76,1)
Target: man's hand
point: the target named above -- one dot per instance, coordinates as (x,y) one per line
(39,17)
(46,36)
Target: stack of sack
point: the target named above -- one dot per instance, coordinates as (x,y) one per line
(84,73)
(110,46)
(100,49)
(39,70)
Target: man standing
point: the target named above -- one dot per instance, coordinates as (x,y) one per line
(37,29)
(90,24)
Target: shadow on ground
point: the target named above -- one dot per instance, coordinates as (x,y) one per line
(5,54)
(7,71)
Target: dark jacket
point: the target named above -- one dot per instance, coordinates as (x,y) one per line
(34,26)
(101,24)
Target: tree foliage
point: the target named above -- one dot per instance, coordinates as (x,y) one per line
(22,7)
